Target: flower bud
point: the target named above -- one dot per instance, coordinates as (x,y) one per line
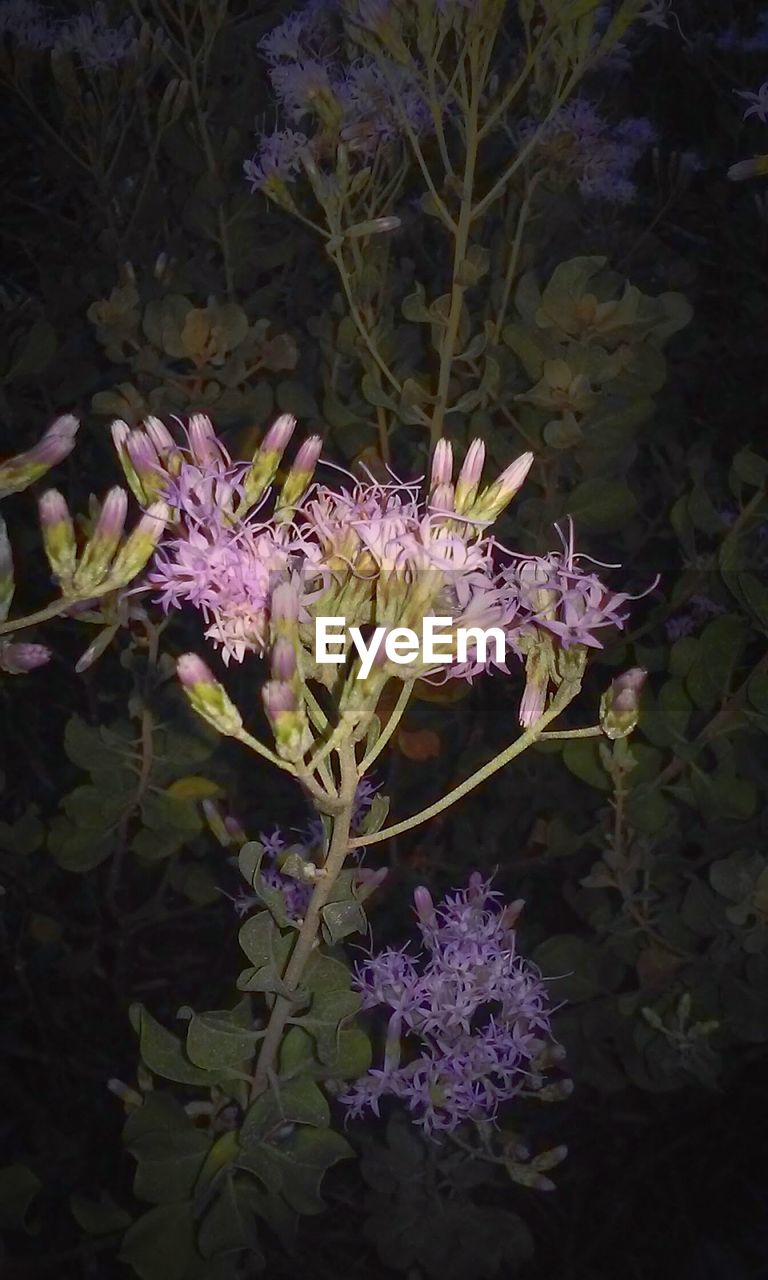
(56,443)
(145,461)
(7,584)
(425,908)
(58,533)
(492,501)
(103,543)
(620,705)
(267,458)
(470,476)
(286,718)
(160,436)
(300,475)
(121,433)
(17,659)
(140,545)
(207,697)
(442,465)
(204,444)
(283,661)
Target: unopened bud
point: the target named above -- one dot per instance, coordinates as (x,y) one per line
(58,533)
(492,501)
(442,466)
(283,661)
(140,545)
(287,719)
(207,697)
(145,461)
(470,476)
(267,458)
(425,908)
(99,550)
(620,705)
(53,447)
(300,475)
(203,441)
(17,659)
(121,433)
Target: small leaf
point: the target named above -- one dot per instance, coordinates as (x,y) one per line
(18,1188)
(162,1051)
(161,1244)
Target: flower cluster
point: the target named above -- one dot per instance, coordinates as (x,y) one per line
(599,155)
(261,564)
(89,36)
(324,99)
(469,1022)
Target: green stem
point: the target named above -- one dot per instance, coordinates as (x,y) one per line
(43,615)
(310,928)
(514,256)
(565,694)
(461,239)
(389,728)
(594,731)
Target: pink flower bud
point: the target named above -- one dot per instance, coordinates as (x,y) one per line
(53,509)
(470,476)
(283,660)
(58,533)
(100,549)
(308,455)
(285,603)
(442,465)
(192,671)
(207,697)
(159,435)
(276,439)
(56,443)
(140,545)
(278,699)
(17,659)
(299,477)
(203,442)
(492,501)
(425,908)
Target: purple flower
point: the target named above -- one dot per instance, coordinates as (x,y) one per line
(758,102)
(598,155)
(278,159)
(468,1018)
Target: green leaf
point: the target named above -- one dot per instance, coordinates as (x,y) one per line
(161,1244)
(297,1101)
(268,950)
(414,306)
(230,1224)
(340,919)
(583,972)
(602,504)
(169,1151)
(296,1165)
(162,1051)
(18,1188)
(327,1011)
(99,1217)
(582,757)
(222,1038)
(719,648)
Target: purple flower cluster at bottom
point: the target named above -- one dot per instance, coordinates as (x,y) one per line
(468,1019)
